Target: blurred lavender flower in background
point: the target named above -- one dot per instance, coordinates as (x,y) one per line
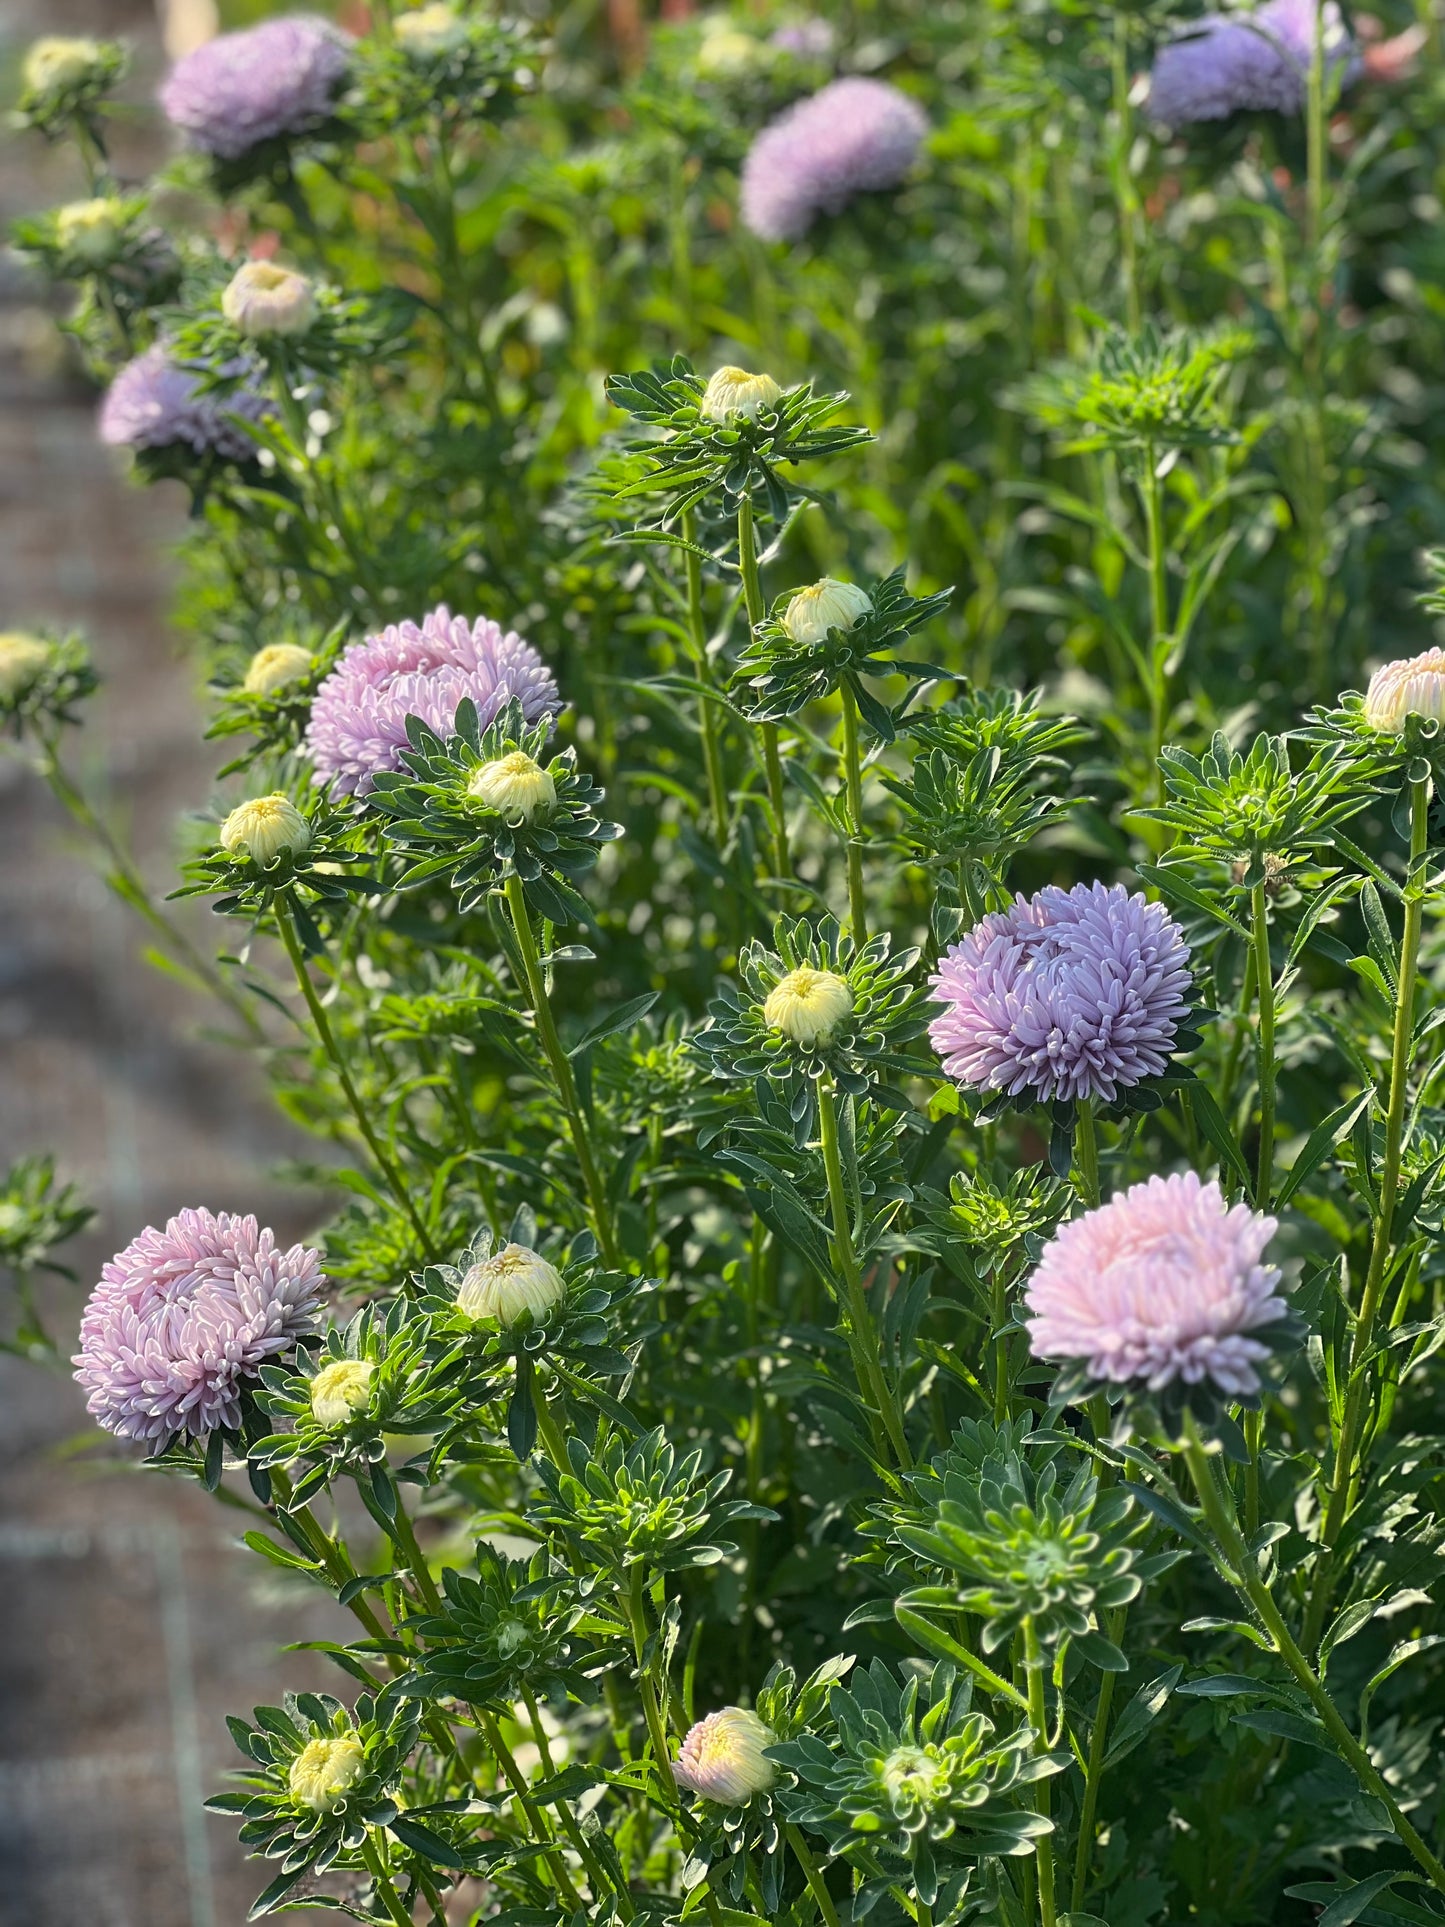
(1229,63)
(810,38)
(358,720)
(154,403)
(244,88)
(852,137)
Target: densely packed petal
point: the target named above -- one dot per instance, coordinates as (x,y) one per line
(1230,63)
(852,137)
(244,88)
(155,403)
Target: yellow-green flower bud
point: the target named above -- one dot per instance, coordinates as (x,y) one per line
(23,661)
(808,1005)
(826,605)
(733,391)
(91,230)
(264,299)
(340,1390)
(1413,686)
(57,61)
(324,1772)
(726,51)
(515,786)
(722,1757)
(265,829)
(433,29)
(514,1286)
(274,666)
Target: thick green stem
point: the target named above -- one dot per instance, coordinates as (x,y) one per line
(1094,1770)
(707,709)
(535,1818)
(1038,1720)
(561,1068)
(1159,638)
(772,761)
(1316,152)
(386,1892)
(1264,981)
(812,1874)
(571,1826)
(651,1708)
(403,1538)
(853,780)
(1240,1570)
(1086,1151)
(552,1435)
(388,1167)
(1125,198)
(863,1336)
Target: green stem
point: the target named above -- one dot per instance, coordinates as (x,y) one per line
(707,709)
(1239,1569)
(651,1709)
(1316,152)
(1000,1346)
(772,761)
(561,1068)
(1124,195)
(1159,639)
(853,779)
(570,1823)
(1086,1151)
(403,1537)
(535,1818)
(863,1336)
(1094,1770)
(1038,1720)
(1264,981)
(547,1425)
(391,1899)
(812,1874)
(285,922)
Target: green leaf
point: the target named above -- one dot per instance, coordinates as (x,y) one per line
(1210,1119)
(1141,1712)
(1320,1142)
(622,1018)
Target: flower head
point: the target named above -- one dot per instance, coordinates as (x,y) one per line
(182,1316)
(1228,63)
(826,605)
(244,88)
(58,60)
(515,785)
(276,666)
(155,403)
(340,1390)
(722,1757)
(853,137)
(358,720)
(733,391)
(264,299)
(727,51)
(23,660)
(807,1005)
(514,1286)
(1069,994)
(325,1770)
(91,230)
(1413,686)
(1164,1282)
(811,38)
(264,829)
(431,29)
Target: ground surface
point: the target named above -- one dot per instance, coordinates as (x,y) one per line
(128,1623)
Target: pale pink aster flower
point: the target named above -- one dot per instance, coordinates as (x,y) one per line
(1069,994)
(358,720)
(156,403)
(1164,1282)
(852,137)
(1223,64)
(182,1316)
(240,89)
(1410,686)
(722,1757)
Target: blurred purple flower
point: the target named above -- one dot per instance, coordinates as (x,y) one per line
(358,720)
(810,39)
(1227,63)
(181,1316)
(852,136)
(1069,994)
(1163,1282)
(154,403)
(243,88)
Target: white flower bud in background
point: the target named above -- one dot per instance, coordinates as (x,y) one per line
(433,29)
(58,61)
(722,1757)
(733,391)
(274,666)
(826,605)
(1413,686)
(514,785)
(23,660)
(265,828)
(324,1771)
(91,230)
(340,1390)
(264,299)
(808,1005)
(512,1287)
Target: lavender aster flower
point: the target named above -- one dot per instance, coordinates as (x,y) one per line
(154,403)
(181,1316)
(1069,994)
(811,38)
(852,137)
(244,88)
(358,720)
(1164,1282)
(1227,63)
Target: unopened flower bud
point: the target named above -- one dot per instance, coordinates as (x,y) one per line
(514,785)
(91,230)
(433,29)
(340,1390)
(826,605)
(727,50)
(722,1757)
(733,391)
(1413,686)
(23,660)
(273,667)
(324,1772)
(58,61)
(265,829)
(808,1005)
(513,1287)
(264,299)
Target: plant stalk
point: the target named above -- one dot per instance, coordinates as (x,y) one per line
(707,712)
(772,761)
(1086,1151)
(1264,980)
(1038,1720)
(853,779)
